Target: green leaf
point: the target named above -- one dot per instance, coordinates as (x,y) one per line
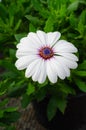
(49,25)
(10,117)
(33,19)
(61,104)
(56,4)
(54,103)
(17,25)
(82,23)
(37,4)
(80,73)
(51,108)
(81,27)
(3,87)
(82,66)
(31,28)
(7,64)
(25,100)
(3,12)
(1,113)
(11,109)
(66,89)
(41,93)
(81,84)
(30,89)
(83,17)
(17,90)
(19,36)
(73,6)
(12,53)
(4,102)
(73,20)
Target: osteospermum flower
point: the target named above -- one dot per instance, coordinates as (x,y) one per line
(44,55)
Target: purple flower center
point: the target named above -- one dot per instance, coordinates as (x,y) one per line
(46,53)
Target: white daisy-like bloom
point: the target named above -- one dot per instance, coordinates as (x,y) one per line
(44,55)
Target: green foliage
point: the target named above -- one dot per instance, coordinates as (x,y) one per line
(54,103)
(82,66)
(52,108)
(41,93)
(30,89)
(8,115)
(3,87)
(49,24)
(26,100)
(81,84)
(17,18)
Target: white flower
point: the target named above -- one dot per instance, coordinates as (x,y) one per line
(44,55)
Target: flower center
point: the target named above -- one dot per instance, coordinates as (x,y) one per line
(46,53)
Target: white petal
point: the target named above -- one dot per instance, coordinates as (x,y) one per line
(63,66)
(24,61)
(52,38)
(59,69)
(37,71)
(64,46)
(31,68)
(24,40)
(34,38)
(42,76)
(42,37)
(70,64)
(21,54)
(50,71)
(69,56)
(28,44)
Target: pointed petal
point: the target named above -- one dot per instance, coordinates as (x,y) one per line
(31,68)
(52,38)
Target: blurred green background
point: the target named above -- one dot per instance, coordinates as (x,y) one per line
(17,19)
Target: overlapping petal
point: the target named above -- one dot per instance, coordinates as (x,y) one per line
(24,61)
(42,37)
(64,46)
(31,68)
(43,74)
(52,38)
(69,56)
(37,66)
(51,71)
